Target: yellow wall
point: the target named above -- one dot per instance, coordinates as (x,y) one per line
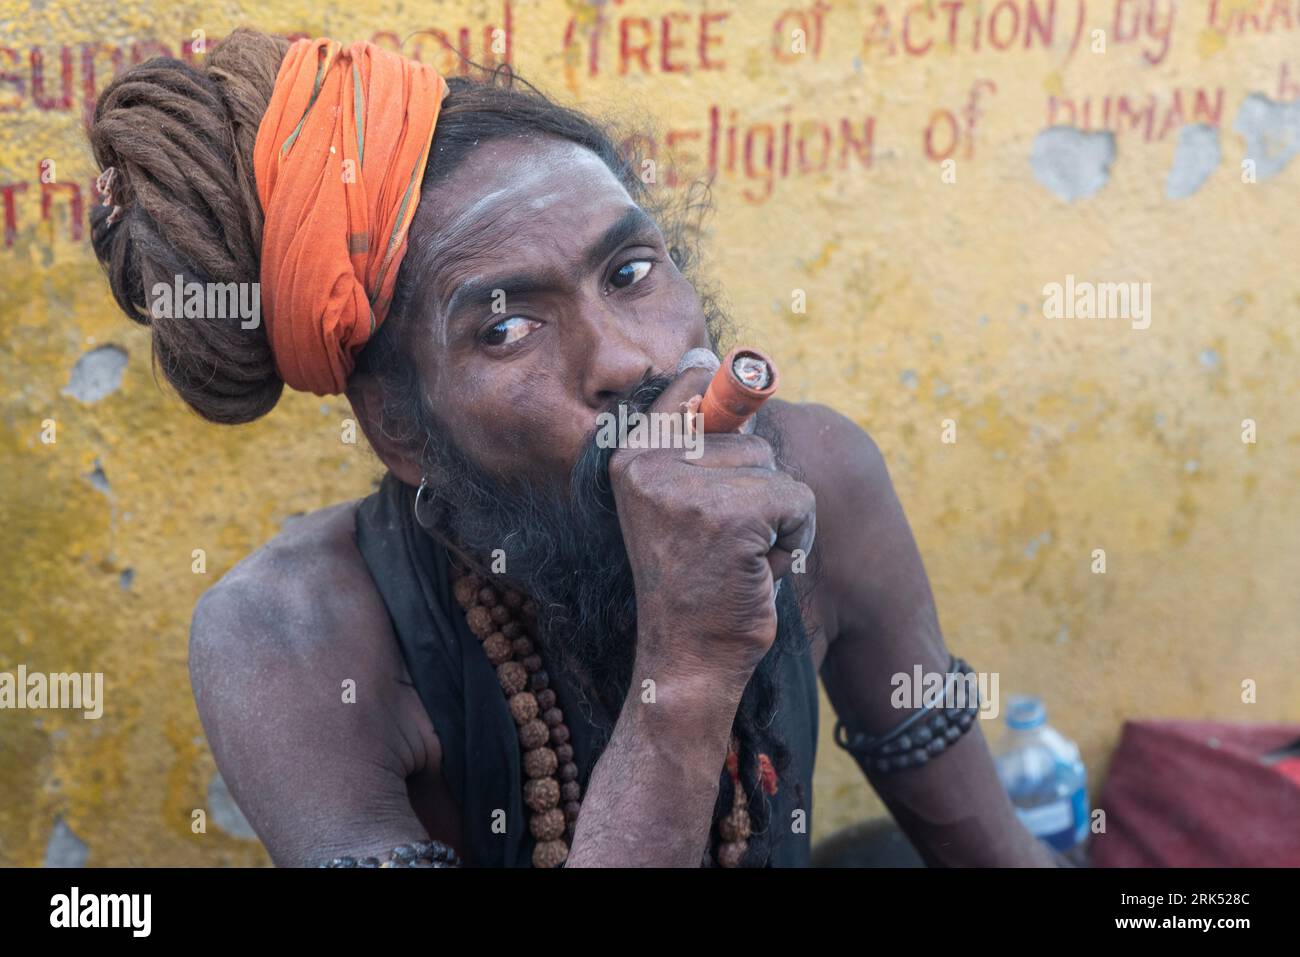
(924,303)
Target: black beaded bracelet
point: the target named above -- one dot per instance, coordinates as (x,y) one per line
(418,854)
(918,738)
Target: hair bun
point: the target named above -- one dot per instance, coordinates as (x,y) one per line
(175,145)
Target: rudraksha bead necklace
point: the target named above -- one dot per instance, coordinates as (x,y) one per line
(505,623)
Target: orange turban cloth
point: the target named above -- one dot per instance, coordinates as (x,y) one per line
(338,159)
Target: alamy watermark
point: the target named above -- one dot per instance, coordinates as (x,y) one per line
(939,689)
(1098,300)
(130,911)
(650,430)
(207,300)
(76,691)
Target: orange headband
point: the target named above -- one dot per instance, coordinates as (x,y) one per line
(339,158)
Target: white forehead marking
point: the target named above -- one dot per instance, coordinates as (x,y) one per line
(526,172)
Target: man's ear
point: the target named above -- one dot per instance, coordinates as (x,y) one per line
(366,397)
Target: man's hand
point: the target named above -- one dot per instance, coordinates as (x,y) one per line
(707,538)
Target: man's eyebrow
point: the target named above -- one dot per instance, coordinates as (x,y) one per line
(633,222)
(476,293)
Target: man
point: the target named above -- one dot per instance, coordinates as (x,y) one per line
(537,291)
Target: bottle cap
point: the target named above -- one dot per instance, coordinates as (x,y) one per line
(1025,712)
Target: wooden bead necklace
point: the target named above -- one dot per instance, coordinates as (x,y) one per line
(505,623)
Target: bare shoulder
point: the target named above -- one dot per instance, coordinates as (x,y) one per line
(305,590)
(312,545)
(861,529)
(844,467)
(835,455)
(299,610)
(304,695)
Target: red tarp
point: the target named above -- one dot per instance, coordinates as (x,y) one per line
(1201,794)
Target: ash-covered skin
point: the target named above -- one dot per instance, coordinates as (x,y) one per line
(568,554)
(538,294)
(594,310)
(515,384)
(521,338)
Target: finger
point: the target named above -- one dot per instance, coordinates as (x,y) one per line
(692,381)
(794,528)
(675,401)
(722,450)
(699,358)
(781,505)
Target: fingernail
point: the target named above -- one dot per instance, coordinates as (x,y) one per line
(699,359)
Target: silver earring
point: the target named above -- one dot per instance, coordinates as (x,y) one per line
(424,486)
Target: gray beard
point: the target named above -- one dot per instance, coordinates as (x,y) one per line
(563,548)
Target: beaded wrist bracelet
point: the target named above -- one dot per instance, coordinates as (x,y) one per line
(418,854)
(921,736)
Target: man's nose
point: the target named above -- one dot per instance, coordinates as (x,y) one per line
(615,354)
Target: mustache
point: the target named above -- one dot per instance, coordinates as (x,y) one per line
(589,479)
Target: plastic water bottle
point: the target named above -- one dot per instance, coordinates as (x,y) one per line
(1043,774)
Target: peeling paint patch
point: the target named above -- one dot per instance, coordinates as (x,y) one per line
(225,812)
(1196,157)
(64,848)
(98,479)
(1272,132)
(1036,542)
(98,373)
(1070,163)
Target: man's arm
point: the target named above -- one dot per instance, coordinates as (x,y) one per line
(707,539)
(271,647)
(875,602)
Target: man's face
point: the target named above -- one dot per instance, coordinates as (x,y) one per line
(551,294)
(592,313)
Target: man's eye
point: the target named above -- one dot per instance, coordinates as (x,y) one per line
(631,272)
(509,330)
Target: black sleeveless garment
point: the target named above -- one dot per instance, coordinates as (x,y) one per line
(481,759)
